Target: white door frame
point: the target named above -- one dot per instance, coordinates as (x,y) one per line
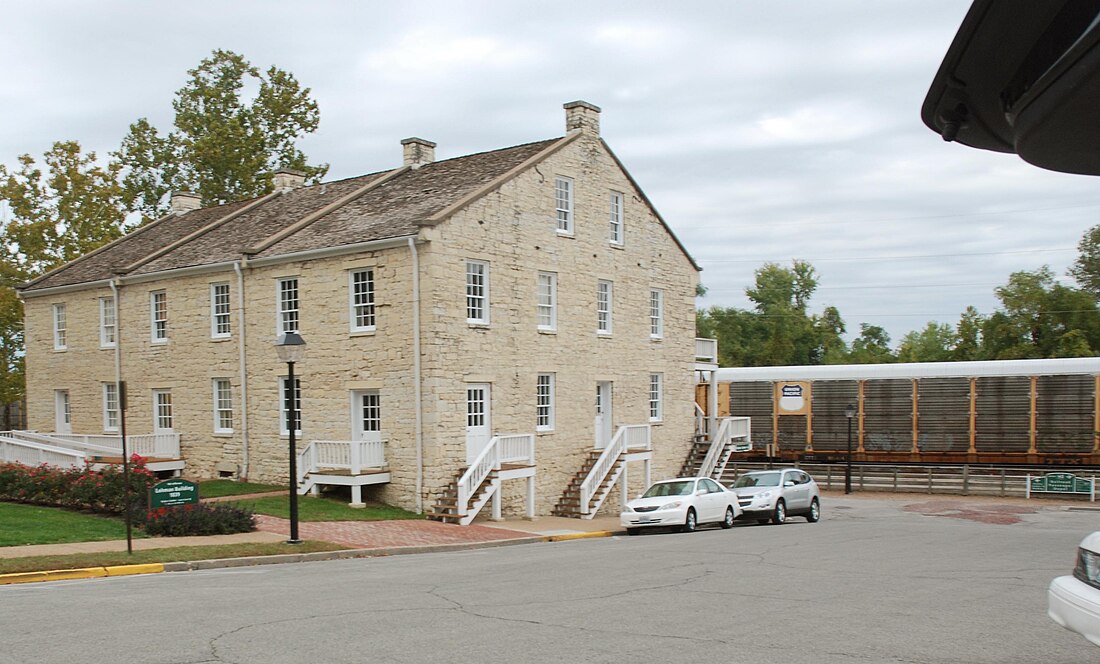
(602,422)
(479,421)
(63,418)
(357,431)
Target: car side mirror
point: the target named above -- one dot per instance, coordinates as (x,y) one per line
(789,483)
(701,492)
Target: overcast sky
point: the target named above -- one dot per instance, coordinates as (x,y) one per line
(762,130)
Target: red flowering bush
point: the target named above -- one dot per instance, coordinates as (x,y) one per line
(199,519)
(76,488)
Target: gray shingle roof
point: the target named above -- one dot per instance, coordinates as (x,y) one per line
(391,209)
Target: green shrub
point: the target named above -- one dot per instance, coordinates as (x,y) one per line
(76,488)
(199,519)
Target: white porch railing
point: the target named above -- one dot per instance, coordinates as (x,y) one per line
(159,445)
(730,429)
(350,455)
(31,453)
(630,437)
(706,350)
(506,448)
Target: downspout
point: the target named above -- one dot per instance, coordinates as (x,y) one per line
(118,331)
(243,372)
(416,378)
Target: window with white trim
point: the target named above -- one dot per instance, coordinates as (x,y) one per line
(220,324)
(615,218)
(223,406)
(288,305)
(603,307)
(361,291)
(110,406)
(656,314)
(370,414)
(107,326)
(655,402)
(158,317)
(563,202)
(477,292)
(162,410)
(544,402)
(547,307)
(284,401)
(59,327)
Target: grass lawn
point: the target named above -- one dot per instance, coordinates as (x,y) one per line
(31,524)
(174,554)
(324,509)
(219,488)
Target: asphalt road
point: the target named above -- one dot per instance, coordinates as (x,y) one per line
(871,582)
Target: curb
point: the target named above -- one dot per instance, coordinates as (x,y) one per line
(251,561)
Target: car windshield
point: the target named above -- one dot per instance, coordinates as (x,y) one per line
(756,479)
(669,489)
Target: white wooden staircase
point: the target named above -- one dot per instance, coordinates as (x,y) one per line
(506,457)
(602,469)
(354,463)
(710,454)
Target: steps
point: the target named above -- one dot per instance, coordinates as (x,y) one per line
(699,447)
(569,505)
(445,508)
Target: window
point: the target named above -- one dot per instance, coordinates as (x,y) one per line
(563,200)
(107,325)
(223,406)
(110,407)
(220,326)
(370,415)
(362,300)
(544,402)
(603,307)
(656,314)
(548,301)
(288,305)
(162,410)
(158,317)
(477,292)
(284,401)
(615,220)
(655,414)
(59,327)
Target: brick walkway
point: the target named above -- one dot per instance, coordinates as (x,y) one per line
(383,534)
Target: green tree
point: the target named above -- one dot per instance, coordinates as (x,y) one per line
(785,332)
(225,146)
(1086,269)
(872,346)
(829,329)
(1040,318)
(968,335)
(935,343)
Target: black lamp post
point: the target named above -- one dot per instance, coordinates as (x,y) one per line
(849,412)
(291,348)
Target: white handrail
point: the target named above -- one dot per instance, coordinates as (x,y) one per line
(160,445)
(729,428)
(635,436)
(485,462)
(30,453)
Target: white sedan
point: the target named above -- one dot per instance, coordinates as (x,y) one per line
(685,502)
(1074,600)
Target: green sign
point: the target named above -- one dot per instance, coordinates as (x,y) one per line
(173,493)
(1061,483)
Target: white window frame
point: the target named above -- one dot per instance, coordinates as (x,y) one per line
(162,411)
(544,402)
(223,405)
(656,402)
(110,407)
(287,305)
(656,313)
(605,292)
(283,384)
(367,411)
(546,308)
(221,311)
(361,306)
(158,317)
(615,219)
(563,204)
(477,292)
(108,329)
(60,329)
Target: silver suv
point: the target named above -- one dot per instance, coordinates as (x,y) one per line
(774,495)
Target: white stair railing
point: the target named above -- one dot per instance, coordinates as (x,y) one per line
(722,445)
(30,453)
(634,436)
(163,445)
(484,464)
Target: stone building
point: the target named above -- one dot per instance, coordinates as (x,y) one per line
(532,290)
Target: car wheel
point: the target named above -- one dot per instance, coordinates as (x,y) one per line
(728,521)
(631,531)
(815,512)
(690,523)
(780,514)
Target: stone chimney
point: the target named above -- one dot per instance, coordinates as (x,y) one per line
(183,202)
(418,152)
(286,180)
(582,115)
